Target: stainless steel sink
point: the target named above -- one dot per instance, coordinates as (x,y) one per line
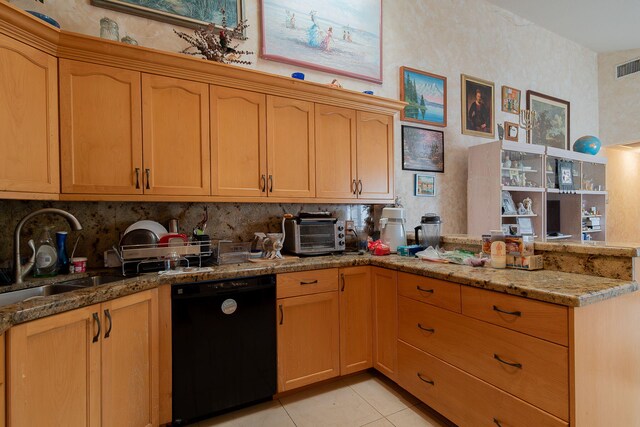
(13,297)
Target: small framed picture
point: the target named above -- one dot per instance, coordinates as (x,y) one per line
(425,185)
(508,207)
(525,226)
(422,149)
(511,131)
(477,107)
(510,100)
(565,175)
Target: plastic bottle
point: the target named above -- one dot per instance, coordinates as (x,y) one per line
(46,255)
(498,249)
(61,245)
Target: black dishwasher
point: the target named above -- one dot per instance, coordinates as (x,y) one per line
(224,345)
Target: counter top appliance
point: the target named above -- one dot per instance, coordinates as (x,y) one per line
(314,233)
(392,230)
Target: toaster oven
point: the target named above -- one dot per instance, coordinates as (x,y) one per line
(314,236)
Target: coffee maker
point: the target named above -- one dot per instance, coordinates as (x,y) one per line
(392,230)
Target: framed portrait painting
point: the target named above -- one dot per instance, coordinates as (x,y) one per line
(335,36)
(186,13)
(422,149)
(426,95)
(510,100)
(477,107)
(425,185)
(552,122)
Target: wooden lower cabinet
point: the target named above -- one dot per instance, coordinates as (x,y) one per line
(308,339)
(79,368)
(356,350)
(384,303)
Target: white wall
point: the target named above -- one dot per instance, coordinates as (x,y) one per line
(619,104)
(446,37)
(623,183)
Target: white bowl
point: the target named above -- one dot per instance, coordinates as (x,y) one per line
(153,226)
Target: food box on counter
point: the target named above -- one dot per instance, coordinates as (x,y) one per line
(519,246)
(530,262)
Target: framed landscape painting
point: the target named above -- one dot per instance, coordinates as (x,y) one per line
(422,149)
(552,123)
(477,107)
(335,36)
(426,95)
(186,13)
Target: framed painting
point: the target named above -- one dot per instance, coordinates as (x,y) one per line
(552,122)
(422,149)
(511,131)
(477,107)
(425,185)
(185,13)
(335,36)
(426,95)
(510,100)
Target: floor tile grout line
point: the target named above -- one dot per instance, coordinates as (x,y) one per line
(366,401)
(287,412)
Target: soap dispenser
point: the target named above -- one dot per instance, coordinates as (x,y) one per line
(46,255)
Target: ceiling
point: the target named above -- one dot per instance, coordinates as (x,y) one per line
(600,25)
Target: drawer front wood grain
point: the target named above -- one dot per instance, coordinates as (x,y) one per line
(464,399)
(307,282)
(540,319)
(432,291)
(532,369)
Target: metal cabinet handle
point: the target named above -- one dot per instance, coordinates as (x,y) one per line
(426,329)
(270,183)
(97,320)
(429,291)
(360,185)
(515,365)
(497,422)
(263,183)
(312,282)
(148,173)
(512,313)
(281,314)
(108,315)
(342,278)
(137,178)
(425,380)
(354,187)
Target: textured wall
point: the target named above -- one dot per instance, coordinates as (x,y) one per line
(619,106)
(623,182)
(446,37)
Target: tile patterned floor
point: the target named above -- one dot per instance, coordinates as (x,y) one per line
(366,399)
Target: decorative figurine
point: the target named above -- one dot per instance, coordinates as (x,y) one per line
(521,209)
(500,132)
(528,205)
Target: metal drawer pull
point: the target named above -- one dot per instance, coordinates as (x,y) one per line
(512,313)
(429,291)
(426,381)
(281,315)
(137,178)
(342,278)
(497,422)
(313,282)
(515,365)
(97,320)
(148,173)
(433,331)
(359,186)
(354,187)
(106,313)
(270,183)
(263,183)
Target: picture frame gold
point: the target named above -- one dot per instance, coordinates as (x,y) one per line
(478,107)
(511,100)
(511,131)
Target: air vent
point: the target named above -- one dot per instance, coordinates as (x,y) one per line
(628,68)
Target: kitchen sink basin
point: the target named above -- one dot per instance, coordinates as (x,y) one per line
(13,297)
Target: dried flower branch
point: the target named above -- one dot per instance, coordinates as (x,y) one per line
(216,45)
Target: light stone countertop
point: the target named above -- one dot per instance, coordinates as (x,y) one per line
(568,289)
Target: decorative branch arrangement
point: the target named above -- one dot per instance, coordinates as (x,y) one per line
(216,45)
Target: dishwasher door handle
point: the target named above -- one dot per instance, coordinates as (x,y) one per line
(281,314)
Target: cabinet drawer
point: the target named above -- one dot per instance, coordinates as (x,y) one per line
(462,398)
(539,369)
(540,319)
(432,291)
(307,282)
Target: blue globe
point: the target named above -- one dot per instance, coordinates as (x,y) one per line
(587,145)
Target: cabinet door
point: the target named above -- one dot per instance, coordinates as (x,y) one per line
(175,133)
(375,156)
(238,142)
(130,360)
(335,152)
(308,339)
(100,129)
(290,148)
(384,287)
(355,320)
(54,370)
(28,119)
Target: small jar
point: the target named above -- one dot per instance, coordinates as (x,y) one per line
(109,29)
(498,249)
(129,40)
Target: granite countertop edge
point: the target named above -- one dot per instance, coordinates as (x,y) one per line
(567,289)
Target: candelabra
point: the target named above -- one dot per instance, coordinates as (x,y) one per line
(527,117)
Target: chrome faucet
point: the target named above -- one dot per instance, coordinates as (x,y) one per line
(23,270)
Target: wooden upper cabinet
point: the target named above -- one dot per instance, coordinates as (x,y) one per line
(290,148)
(53,370)
(175,117)
(335,152)
(375,156)
(355,320)
(238,142)
(100,129)
(29,159)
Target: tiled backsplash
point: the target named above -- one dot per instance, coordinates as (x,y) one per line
(104,222)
